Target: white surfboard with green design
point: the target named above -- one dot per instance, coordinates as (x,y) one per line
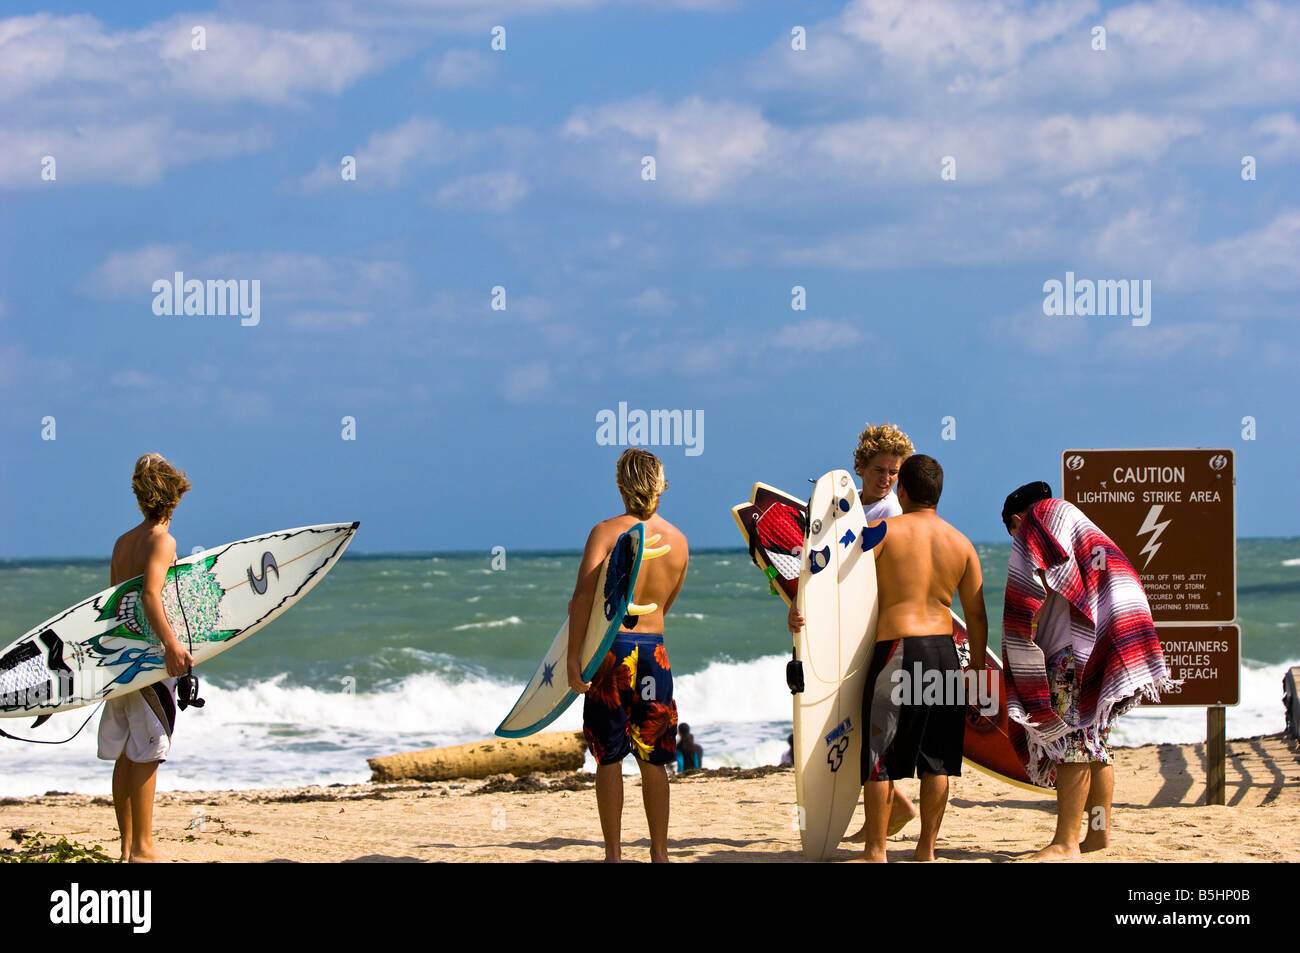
(103,646)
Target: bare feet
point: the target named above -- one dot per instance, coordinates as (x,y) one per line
(151,856)
(924,855)
(1096,840)
(902,813)
(867,859)
(1057,852)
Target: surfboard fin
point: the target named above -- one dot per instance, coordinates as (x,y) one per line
(40,721)
(651,540)
(635,609)
(655,551)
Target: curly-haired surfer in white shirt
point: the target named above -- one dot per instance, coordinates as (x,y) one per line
(880,453)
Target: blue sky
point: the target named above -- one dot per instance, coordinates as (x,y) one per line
(774,168)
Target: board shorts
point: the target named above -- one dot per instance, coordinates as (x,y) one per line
(139,725)
(906,739)
(1063,680)
(629,708)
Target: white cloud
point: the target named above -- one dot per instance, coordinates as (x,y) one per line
(127,274)
(131,379)
(1265,257)
(1279,135)
(457,69)
(323,320)
(985,37)
(54,57)
(318,293)
(387,158)
(952,56)
(125,106)
(655,301)
(816,335)
(483,192)
(129,152)
(1170,339)
(528,382)
(987,149)
(702,149)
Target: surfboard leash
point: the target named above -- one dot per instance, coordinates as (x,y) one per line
(37,741)
(187,686)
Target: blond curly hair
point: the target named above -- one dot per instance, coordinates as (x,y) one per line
(640,478)
(158,486)
(886,438)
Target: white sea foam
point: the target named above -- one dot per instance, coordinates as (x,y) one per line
(494,624)
(273,733)
(1291,562)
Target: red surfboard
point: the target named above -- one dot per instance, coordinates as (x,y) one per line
(773,525)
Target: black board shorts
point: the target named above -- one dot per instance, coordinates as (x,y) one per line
(906,735)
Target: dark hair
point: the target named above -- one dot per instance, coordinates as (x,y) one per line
(922,478)
(1023,498)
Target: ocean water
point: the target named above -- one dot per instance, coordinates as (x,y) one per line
(393,653)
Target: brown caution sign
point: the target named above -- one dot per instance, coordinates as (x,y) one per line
(1207,658)
(1173,514)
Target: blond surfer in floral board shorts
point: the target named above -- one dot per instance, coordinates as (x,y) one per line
(618,717)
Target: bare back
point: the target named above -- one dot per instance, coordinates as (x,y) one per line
(920,563)
(137,548)
(659,580)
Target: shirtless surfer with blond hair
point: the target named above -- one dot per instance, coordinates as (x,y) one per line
(135,729)
(629,707)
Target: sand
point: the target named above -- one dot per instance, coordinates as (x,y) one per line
(729,815)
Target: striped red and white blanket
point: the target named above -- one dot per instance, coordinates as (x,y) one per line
(1111,633)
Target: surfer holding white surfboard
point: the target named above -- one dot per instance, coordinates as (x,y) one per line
(135,730)
(919,564)
(629,708)
(877,458)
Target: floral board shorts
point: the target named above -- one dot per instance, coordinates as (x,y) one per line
(1063,679)
(629,708)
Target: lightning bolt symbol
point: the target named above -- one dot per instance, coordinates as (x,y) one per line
(1149,525)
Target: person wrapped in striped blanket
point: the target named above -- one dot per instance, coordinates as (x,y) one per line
(1080,649)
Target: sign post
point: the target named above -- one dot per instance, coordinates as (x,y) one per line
(1173,514)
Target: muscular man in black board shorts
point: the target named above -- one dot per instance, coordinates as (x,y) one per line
(918,728)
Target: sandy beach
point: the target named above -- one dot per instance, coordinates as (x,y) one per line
(728,816)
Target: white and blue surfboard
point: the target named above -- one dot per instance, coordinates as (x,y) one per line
(547,693)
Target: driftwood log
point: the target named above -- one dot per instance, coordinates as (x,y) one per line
(553,751)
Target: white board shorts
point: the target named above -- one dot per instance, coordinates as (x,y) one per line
(139,725)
